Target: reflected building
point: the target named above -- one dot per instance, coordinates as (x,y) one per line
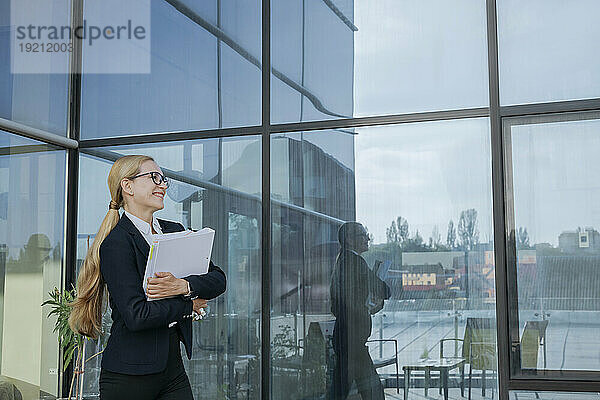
(580,241)
(426,281)
(320,189)
(563,278)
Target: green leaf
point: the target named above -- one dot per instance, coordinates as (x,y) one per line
(67,359)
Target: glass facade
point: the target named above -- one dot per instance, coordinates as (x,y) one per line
(448,246)
(32,187)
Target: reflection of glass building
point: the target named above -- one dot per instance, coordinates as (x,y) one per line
(314,181)
(418,112)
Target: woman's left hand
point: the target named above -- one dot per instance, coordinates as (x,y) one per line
(165,285)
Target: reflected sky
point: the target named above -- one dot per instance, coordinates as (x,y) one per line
(425,172)
(555,175)
(415,56)
(542,53)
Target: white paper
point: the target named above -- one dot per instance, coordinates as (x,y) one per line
(180,253)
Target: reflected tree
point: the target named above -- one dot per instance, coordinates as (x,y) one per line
(435,240)
(468,233)
(523,239)
(451,235)
(415,243)
(398,231)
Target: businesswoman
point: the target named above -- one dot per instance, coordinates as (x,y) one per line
(142,359)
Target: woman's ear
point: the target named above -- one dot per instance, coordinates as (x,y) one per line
(126,186)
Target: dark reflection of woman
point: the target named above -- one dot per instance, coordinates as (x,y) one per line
(353,287)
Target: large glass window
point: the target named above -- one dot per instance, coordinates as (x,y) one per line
(554,193)
(32,190)
(544,53)
(211,186)
(417,272)
(36,100)
(201,74)
(335,59)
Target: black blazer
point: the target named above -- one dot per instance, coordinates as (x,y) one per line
(139,336)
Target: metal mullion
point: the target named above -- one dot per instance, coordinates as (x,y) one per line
(550,375)
(166,137)
(338,13)
(394,119)
(502,307)
(540,385)
(265,370)
(37,134)
(28,149)
(72,170)
(510,252)
(219,70)
(70,244)
(536,119)
(551,107)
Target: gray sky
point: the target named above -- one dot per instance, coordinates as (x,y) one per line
(426,172)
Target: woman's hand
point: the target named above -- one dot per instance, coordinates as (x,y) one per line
(165,285)
(199,304)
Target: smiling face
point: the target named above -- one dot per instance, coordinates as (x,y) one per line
(143,196)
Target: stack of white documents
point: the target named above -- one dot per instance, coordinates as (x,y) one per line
(180,253)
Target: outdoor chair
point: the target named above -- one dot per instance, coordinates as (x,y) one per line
(533,337)
(385,361)
(479,349)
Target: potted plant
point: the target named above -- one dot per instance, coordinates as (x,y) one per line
(72,343)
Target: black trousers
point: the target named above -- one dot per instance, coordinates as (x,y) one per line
(170,384)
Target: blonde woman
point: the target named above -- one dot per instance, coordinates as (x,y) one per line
(142,359)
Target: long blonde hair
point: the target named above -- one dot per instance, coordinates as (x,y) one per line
(86,313)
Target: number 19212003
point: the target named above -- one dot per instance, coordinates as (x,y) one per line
(46,47)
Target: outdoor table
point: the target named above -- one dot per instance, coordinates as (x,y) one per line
(444,366)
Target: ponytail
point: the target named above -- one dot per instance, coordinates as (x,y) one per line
(86,315)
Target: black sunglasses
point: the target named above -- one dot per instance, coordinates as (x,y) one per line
(157,178)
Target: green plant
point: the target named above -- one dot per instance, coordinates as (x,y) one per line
(60,303)
(69,340)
